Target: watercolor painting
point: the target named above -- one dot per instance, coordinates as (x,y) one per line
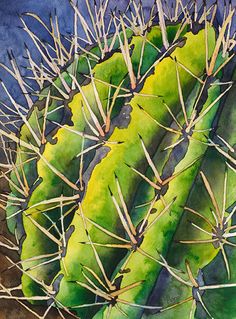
(117,159)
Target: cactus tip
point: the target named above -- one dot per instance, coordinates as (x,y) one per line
(140,136)
(110,191)
(141,108)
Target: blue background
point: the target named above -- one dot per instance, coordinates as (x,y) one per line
(13,38)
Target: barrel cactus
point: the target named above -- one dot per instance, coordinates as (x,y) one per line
(123,185)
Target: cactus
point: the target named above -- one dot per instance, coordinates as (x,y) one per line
(122,187)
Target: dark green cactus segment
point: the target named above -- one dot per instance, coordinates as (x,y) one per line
(196,246)
(25,174)
(215,273)
(94,204)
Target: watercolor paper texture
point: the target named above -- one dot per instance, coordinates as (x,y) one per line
(117,159)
